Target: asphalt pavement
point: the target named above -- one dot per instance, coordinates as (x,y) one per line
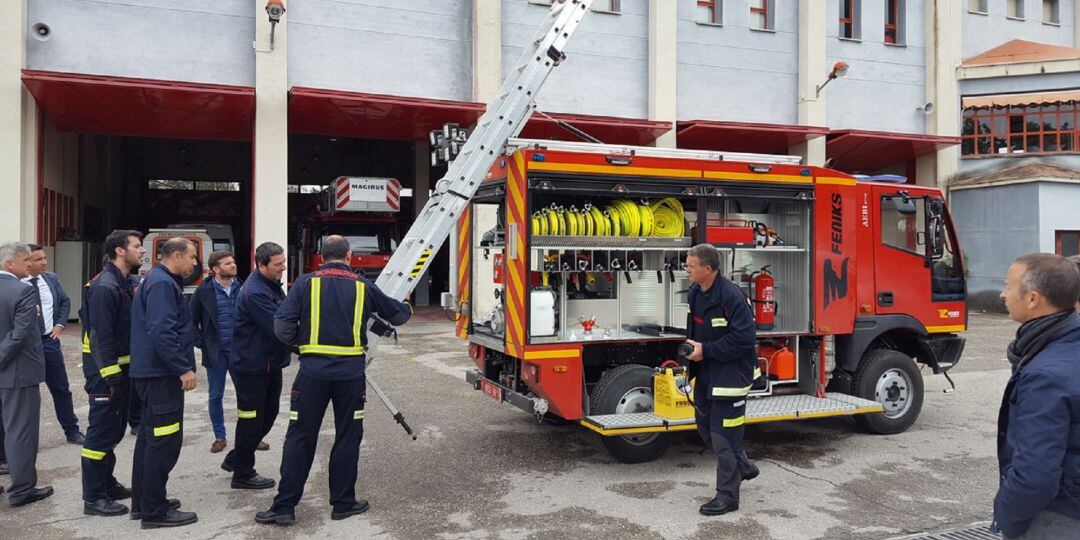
(481,469)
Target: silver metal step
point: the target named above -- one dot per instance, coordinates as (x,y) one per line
(978,532)
(758,410)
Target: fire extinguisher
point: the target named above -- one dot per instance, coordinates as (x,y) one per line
(764,298)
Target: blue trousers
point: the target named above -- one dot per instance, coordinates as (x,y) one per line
(215,377)
(57,380)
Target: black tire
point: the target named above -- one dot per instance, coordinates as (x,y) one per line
(614,386)
(892,370)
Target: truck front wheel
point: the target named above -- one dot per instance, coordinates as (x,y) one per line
(892,379)
(628,389)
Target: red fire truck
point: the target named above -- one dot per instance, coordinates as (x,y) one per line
(572,290)
(364,211)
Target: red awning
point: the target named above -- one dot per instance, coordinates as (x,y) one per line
(374,116)
(608,129)
(868,151)
(744,137)
(143,107)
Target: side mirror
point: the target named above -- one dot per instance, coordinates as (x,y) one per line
(936,237)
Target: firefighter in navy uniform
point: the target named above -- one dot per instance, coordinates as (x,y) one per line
(162,369)
(325,314)
(106,319)
(721,329)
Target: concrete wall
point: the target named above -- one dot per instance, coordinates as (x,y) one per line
(196,40)
(984,32)
(606,71)
(1055,216)
(994,225)
(1020,84)
(970,166)
(886,82)
(401,47)
(733,73)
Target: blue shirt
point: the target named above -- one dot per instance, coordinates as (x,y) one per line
(226,297)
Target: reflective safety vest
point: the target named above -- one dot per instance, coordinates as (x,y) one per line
(317,341)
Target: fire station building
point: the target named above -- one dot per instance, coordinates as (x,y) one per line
(146,113)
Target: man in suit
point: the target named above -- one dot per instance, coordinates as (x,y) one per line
(22,369)
(55,308)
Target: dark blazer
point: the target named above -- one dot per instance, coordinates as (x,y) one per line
(204,317)
(61,301)
(22,362)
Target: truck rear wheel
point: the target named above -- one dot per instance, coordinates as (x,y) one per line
(892,379)
(623,390)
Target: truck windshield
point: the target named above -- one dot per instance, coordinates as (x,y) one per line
(364,238)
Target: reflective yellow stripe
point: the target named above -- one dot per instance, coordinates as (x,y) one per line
(332,350)
(246,414)
(93,454)
(109,371)
(166,430)
(724,391)
(734,422)
(294,415)
(358,415)
(124,360)
(358,315)
(316,305)
(757,373)
(86,342)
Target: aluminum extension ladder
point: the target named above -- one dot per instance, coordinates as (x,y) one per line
(503,119)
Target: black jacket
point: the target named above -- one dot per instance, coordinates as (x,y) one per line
(255,347)
(204,318)
(106,322)
(721,320)
(162,337)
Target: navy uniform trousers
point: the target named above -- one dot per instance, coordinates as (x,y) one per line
(308,403)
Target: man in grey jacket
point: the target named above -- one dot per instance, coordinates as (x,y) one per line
(22,370)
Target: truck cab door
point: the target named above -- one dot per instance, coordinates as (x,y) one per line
(901,260)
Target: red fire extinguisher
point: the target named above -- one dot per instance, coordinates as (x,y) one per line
(764,298)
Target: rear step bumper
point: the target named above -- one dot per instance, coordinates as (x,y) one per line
(517,399)
(758,410)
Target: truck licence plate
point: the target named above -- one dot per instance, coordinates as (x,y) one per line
(490,389)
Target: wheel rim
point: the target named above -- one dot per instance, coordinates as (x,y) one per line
(893,391)
(637,400)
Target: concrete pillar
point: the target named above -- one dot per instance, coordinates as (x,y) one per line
(943,56)
(663,68)
(271,144)
(1076,25)
(486,49)
(812,71)
(422,175)
(18,133)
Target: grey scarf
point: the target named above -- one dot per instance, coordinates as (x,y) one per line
(1033,335)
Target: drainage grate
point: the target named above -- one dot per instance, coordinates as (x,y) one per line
(979,532)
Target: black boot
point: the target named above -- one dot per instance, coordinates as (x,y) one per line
(104,507)
(278,518)
(35,495)
(358,507)
(717,507)
(172,518)
(255,482)
(173,505)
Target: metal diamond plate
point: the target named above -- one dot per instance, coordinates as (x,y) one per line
(979,532)
(634,420)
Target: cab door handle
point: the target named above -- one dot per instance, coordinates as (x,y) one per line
(885,298)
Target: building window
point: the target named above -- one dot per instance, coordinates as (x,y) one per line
(895,31)
(193,185)
(849,19)
(978,6)
(710,11)
(1032,129)
(1051,13)
(1014,9)
(607,6)
(763,14)
(1067,243)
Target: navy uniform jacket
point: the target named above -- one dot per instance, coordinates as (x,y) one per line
(204,316)
(106,322)
(162,336)
(255,347)
(1039,436)
(320,316)
(721,320)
